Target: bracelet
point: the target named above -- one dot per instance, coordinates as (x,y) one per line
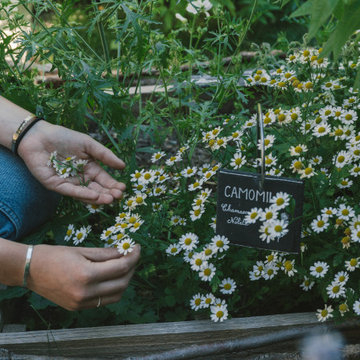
(27,264)
(24,127)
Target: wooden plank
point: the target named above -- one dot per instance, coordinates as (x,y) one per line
(136,340)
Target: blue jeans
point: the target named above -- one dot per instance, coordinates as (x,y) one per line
(24,203)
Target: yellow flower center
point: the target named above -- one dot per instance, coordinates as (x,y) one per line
(343,307)
(320,223)
(207,272)
(219,314)
(324,313)
(188,241)
(353,262)
(219,243)
(227,286)
(278,228)
(298,149)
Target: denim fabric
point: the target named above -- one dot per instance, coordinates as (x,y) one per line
(24,202)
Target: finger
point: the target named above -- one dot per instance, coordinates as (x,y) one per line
(110,287)
(99,254)
(96,173)
(77,191)
(115,268)
(100,152)
(97,302)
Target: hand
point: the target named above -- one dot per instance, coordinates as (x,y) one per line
(44,138)
(75,277)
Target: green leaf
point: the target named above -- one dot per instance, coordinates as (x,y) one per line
(320,12)
(349,22)
(39,302)
(12,292)
(304,9)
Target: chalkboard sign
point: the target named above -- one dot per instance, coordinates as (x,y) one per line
(239,192)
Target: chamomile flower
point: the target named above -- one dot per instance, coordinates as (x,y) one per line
(355,170)
(208,252)
(341,277)
(188,241)
(196,302)
(126,245)
(269,213)
(238,161)
(69,232)
(220,243)
(196,213)
(324,314)
(189,171)
(208,300)
(278,228)
(227,286)
(281,200)
(356,307)
(319,269)
(320,224)
(270,270)
(328,212)
(289,267)
(197,261)
(264,230)
(81,234)
(335,290)
(352,264)
(307,284)
(207,272)
(345,183)
(341,159)
(321,129)
(196,185)
(172,160)
(343,308)
(345,212)
(298,150)
(173,249)
(307,172)
(94,208)
(252,216)
(218,313)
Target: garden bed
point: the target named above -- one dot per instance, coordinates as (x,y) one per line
(272,334)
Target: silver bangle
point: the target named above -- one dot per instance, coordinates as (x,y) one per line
(27,264)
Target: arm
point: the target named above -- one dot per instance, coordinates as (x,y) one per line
(44,138)
(73,278)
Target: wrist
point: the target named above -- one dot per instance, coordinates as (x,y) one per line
(32,136)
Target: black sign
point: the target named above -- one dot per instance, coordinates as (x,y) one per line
(239,192)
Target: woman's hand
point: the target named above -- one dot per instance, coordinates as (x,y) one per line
(44,138)
(75,277)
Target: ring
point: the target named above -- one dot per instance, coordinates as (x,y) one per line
(99,302)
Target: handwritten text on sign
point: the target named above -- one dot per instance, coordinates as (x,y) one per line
(239,192)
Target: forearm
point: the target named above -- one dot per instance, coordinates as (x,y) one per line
(11,116)
(12,262)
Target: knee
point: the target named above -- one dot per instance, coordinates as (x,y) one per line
(7,227)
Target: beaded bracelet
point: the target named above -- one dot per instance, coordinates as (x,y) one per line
(24,127)
(27,264)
